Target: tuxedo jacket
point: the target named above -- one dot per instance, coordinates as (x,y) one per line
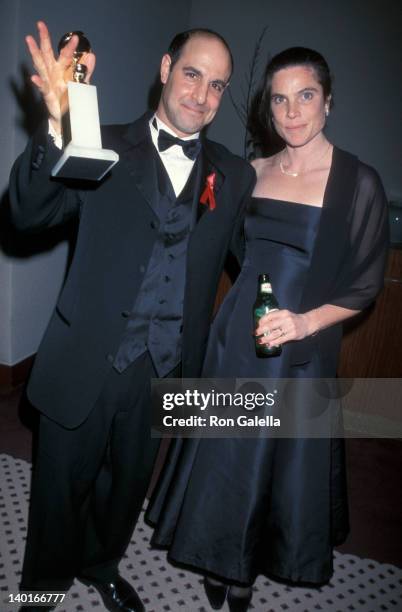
(116,234)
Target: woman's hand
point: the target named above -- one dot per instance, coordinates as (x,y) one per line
(53,73)
(281,326)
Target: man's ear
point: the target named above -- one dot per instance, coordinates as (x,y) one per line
(165,67)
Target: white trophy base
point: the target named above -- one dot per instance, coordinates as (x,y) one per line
(84,163)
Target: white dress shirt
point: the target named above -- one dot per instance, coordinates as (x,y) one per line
(177,164)
(57,138)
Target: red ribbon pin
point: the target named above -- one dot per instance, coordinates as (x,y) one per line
(208,196)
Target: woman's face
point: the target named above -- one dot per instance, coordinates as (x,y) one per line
(297,105)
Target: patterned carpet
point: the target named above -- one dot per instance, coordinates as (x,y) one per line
(358,584)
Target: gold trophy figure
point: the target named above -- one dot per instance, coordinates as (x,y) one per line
(83,156)
(79,71)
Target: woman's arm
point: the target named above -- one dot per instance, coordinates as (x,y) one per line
(282,326)
(361,277)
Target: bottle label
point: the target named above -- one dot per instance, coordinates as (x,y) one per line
(265,288)
(261,311)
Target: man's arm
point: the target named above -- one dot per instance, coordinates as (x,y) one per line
(36,200)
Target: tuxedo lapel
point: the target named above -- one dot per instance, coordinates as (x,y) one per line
(138,156)
(209,164)
(214,163)
(199,181)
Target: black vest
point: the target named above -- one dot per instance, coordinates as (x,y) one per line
(155,323)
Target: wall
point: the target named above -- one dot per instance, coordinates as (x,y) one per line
(362,44)
(8,19)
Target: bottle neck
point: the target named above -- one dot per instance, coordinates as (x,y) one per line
(265,288)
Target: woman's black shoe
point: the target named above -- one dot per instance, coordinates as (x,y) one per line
(239,603)
(216,593)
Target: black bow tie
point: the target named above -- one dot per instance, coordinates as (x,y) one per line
(191,148)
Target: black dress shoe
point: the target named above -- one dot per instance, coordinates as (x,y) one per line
(216,593)
(239,603)
(118,596)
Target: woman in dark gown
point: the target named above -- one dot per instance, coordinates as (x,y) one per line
(317,223)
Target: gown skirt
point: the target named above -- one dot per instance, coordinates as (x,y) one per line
(240,507)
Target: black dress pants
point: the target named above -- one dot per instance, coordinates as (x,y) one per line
(89,485)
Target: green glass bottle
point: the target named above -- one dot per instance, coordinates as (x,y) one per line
(266,302)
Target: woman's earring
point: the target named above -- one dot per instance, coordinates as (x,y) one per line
(326,111)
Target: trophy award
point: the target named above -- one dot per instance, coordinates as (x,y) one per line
(83,156)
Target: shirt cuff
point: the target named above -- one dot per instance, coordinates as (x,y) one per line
(57,138)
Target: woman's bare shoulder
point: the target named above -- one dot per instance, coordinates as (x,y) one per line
(264,164)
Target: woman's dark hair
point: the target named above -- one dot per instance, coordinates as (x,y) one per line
(294,56)
(178,42)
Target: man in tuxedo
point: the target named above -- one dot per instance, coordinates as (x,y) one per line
(136,304)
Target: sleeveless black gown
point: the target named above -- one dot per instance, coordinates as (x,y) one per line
(241,507)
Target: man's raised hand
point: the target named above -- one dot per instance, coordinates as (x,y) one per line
(53,73)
